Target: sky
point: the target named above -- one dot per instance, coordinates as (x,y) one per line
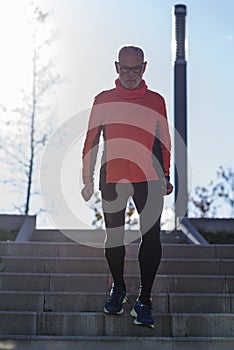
(92,31)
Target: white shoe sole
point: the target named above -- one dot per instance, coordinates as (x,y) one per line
(113,313)
(143,324)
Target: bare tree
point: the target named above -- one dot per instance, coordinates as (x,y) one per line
(29,129)
(217,199)
(131,216)
(203,202)
(224,188)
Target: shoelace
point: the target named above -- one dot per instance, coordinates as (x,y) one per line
(114,297)
(145,310)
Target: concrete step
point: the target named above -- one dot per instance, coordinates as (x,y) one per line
(101,282)
(99,324)
(69,249)
(99,265)
(97,237)
(115,343)
(50,236)
(94,302)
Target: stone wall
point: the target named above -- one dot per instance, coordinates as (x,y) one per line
(206,225)
(11,222)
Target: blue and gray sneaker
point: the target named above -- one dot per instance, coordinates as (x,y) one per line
(143,314)
(114,304)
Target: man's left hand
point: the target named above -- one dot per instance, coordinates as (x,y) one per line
(167,187)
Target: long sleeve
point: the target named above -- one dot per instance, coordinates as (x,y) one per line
(165,140)
(91,145)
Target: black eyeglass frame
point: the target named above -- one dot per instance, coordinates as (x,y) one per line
(136,69)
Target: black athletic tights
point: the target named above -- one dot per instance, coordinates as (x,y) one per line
(148,200)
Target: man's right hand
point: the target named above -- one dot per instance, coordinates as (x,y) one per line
(87,191)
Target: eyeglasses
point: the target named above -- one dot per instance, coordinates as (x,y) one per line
(135,69)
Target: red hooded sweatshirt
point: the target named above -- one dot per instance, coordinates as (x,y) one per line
(134,127)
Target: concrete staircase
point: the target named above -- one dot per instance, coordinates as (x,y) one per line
(52,297)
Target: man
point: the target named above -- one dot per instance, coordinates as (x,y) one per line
(136,162)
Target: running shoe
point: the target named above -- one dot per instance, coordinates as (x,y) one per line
(114,304)
(143,314)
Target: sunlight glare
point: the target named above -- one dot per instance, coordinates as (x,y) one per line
(16,51)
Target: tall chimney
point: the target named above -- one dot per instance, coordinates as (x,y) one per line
(180,116)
